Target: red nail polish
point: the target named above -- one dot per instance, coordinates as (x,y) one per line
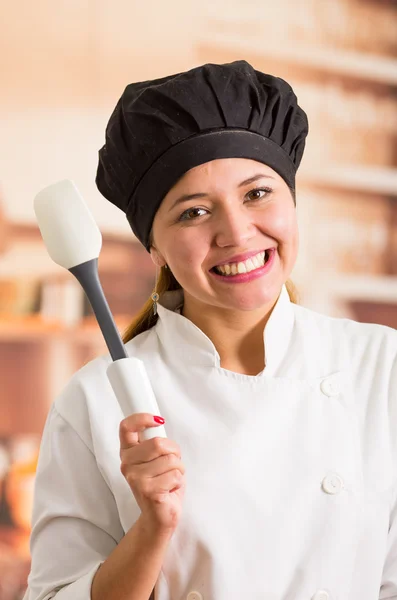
(159,420)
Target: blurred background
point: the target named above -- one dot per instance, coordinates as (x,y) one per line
(63,67)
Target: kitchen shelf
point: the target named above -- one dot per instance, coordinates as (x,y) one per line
(36,329)
(368,288)
(377,180)
(29,328)
(333,61)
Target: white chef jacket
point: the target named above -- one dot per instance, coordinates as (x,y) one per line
(291,475)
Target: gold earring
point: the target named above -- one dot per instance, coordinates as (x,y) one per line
(155,296)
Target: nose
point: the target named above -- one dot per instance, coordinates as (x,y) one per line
(234,228)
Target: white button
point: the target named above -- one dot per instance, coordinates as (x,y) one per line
(329,387)
(194,596)
(332,484)
(321,595)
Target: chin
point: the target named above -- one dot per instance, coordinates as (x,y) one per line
(267,296)
(251,304)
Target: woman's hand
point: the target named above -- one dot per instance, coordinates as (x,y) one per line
(154,472)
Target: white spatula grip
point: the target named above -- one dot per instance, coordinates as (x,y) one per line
(134,392)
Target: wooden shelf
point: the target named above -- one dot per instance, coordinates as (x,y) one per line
(377,180)
(371,288)
(363,66)
(29,328)
(35,329)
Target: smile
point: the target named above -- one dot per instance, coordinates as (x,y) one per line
(246,266)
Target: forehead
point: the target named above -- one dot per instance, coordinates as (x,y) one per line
(225,172)
(228,165)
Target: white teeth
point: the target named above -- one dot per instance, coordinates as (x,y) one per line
(251,264)
(255,262)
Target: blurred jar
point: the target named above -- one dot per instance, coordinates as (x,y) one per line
(20,482)
(19,296)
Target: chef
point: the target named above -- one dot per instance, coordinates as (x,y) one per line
(278,476)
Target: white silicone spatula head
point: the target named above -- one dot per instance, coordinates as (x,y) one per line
(69,231)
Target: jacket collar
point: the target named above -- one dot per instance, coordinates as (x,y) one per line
(191,346)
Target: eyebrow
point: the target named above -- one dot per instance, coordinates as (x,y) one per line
(186,197)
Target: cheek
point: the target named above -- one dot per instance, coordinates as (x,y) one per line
(280,223)
(290,231)
(188,249)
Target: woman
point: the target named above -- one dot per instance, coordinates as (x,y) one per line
(278,477)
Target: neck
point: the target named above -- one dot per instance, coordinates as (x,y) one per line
(236,335)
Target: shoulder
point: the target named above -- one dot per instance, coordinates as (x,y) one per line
(343,326)
(350,338)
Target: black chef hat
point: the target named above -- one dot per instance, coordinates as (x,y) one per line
(162,128)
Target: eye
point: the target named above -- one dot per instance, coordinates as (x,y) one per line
(189,215)
(259,193)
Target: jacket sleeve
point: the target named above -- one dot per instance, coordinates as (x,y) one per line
(75,522)
(388,590)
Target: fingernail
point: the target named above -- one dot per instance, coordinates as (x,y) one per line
(159,420)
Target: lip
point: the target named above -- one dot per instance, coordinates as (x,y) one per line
(240,257)
(246,277)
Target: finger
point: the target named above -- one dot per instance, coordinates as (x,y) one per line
(151,469)
(131,425)
(150,450)
(163,484)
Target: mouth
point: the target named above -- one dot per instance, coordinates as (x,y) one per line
(250,264)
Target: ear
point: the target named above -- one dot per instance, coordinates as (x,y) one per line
(156,257)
